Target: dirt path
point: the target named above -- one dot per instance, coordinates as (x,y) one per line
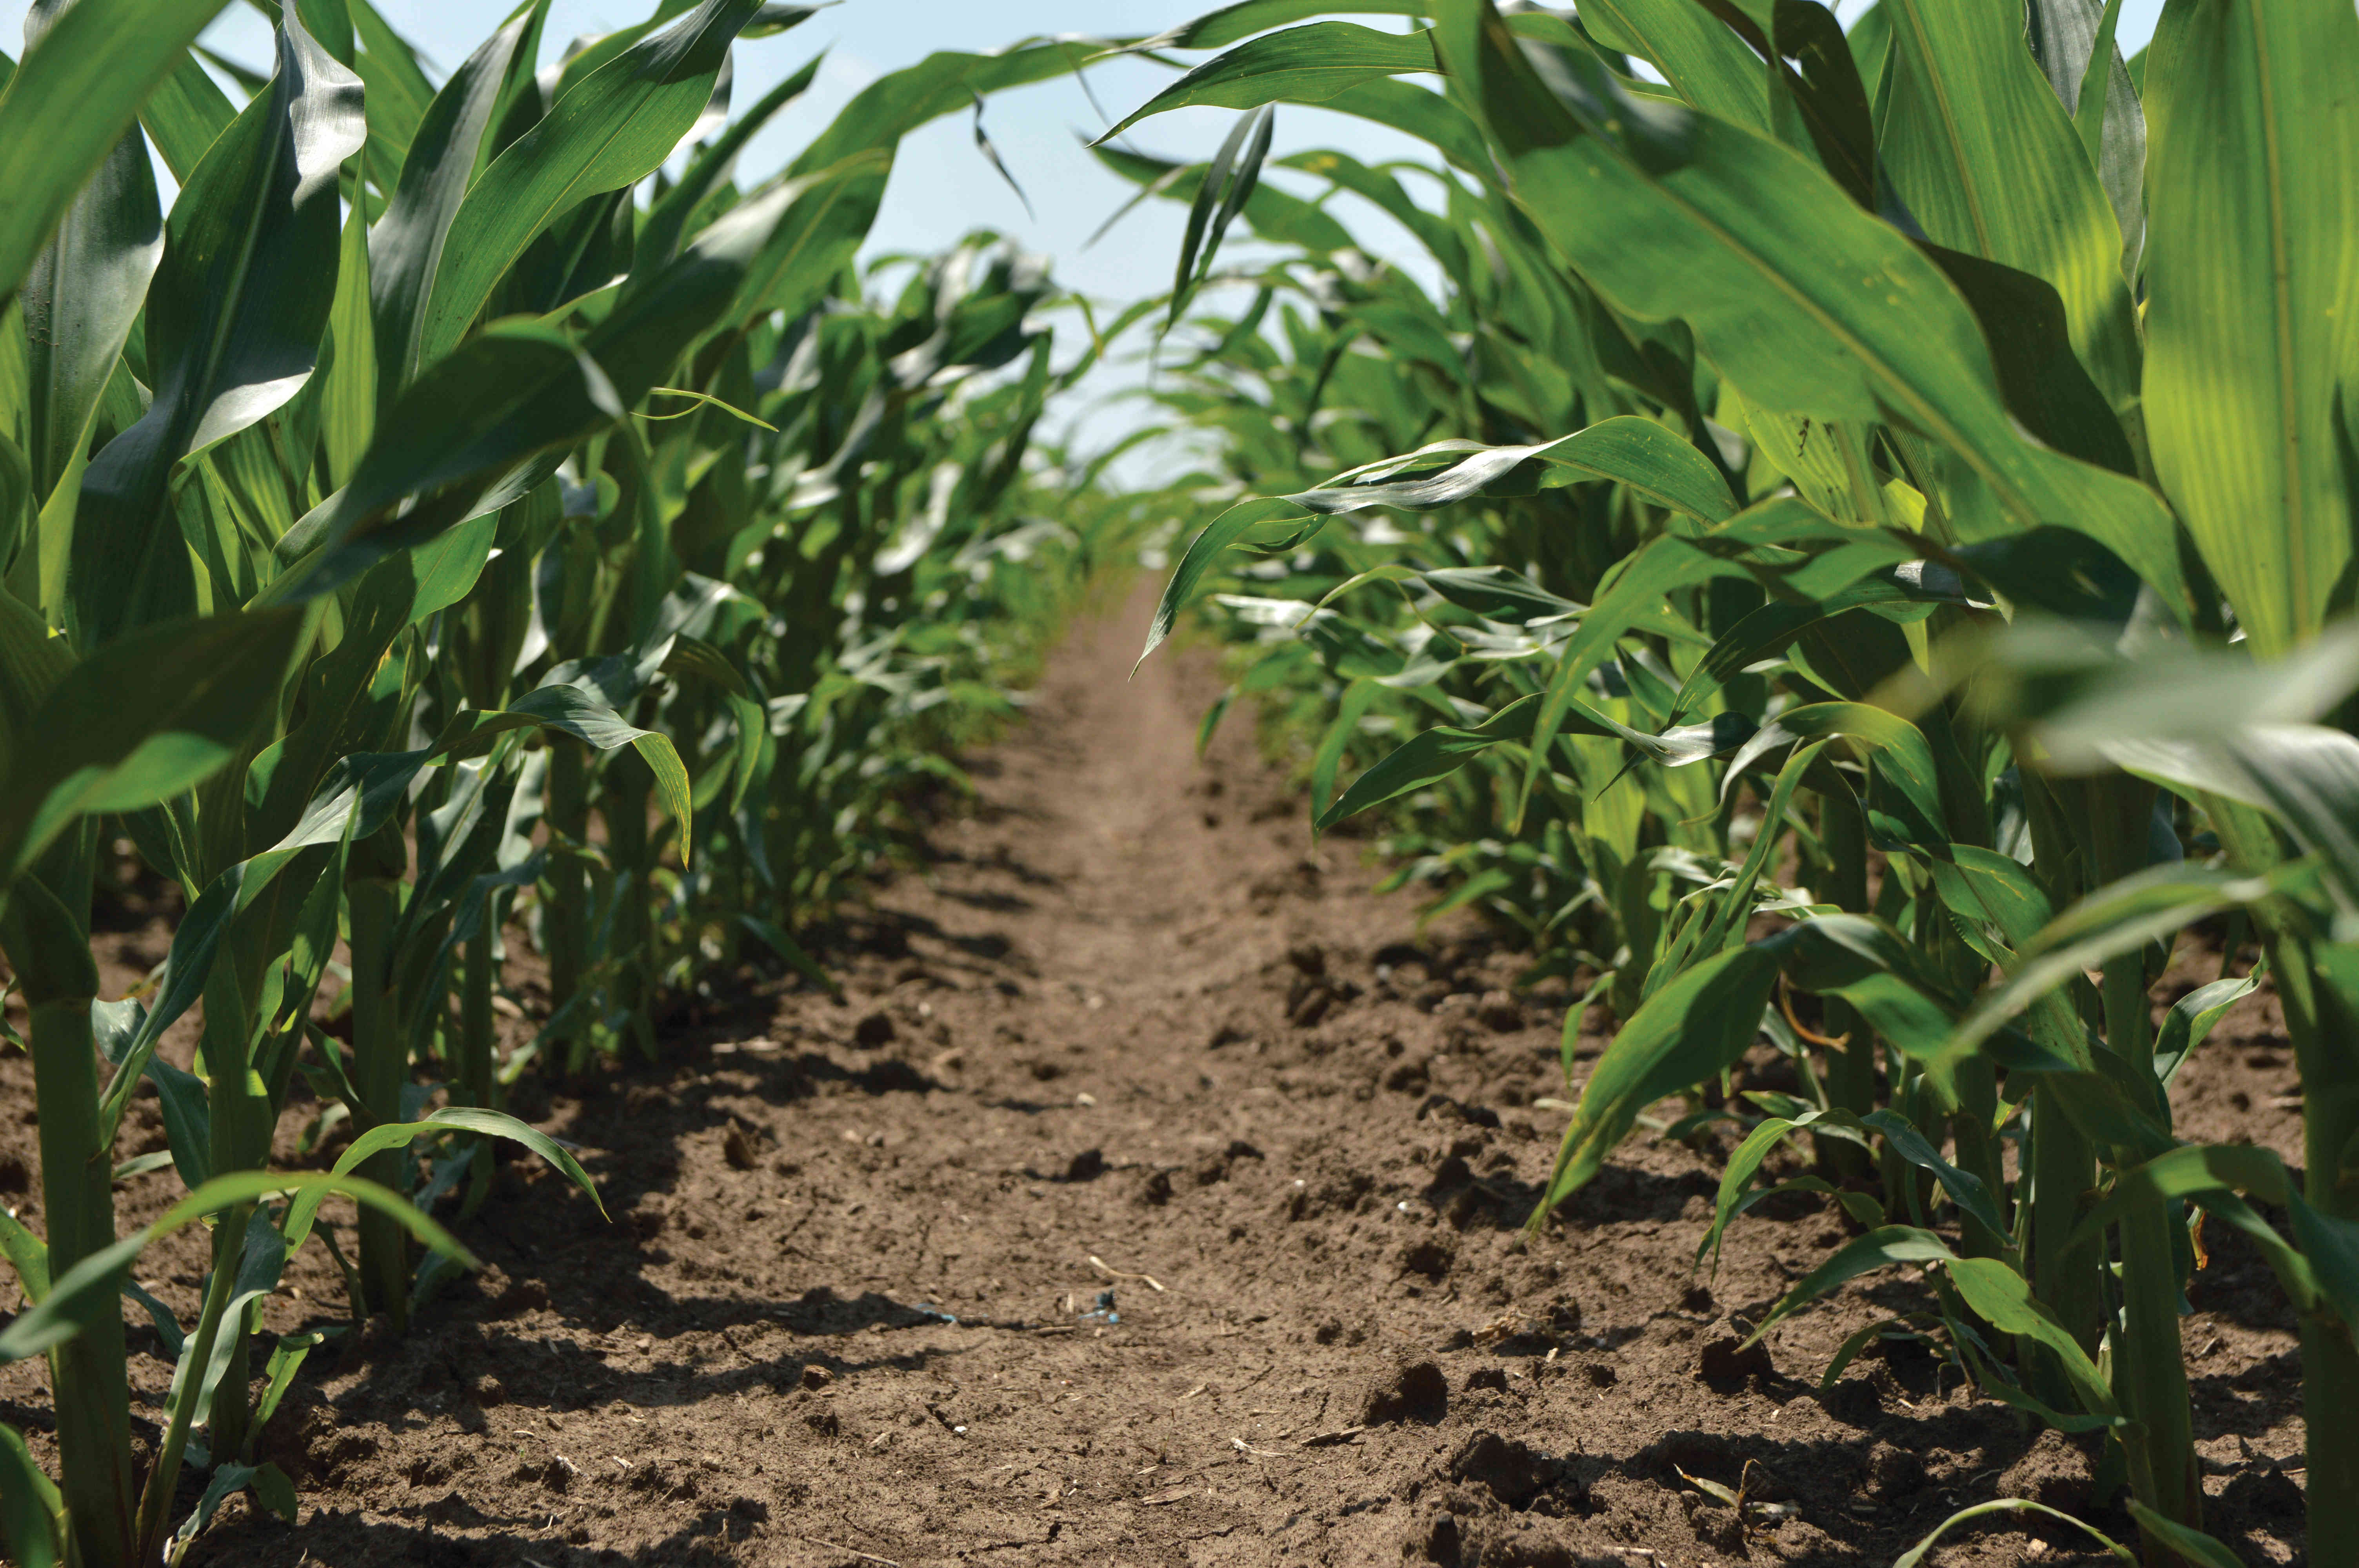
(1130,1024)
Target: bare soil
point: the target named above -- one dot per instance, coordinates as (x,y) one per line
(1156,1197)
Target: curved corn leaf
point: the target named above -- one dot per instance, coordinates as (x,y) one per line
(1704,62)
(1879,1249)
(1915,1556)
(453,1119)
(94,1285)
(1303,65)
(408,243)
(71,100)
(233,321)
(1222,28)
(610,130)
(142,720)
(80,301)
(1988,159)
(1810,305)
(32,1515)
(1626,450)
(2251,313)
(185,116)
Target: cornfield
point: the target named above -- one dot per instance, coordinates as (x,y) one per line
(1852,548)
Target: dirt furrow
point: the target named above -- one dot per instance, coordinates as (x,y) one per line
(1154,1196)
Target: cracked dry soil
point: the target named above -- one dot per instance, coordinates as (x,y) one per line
(1130,1029)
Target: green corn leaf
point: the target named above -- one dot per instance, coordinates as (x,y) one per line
(349,398)
(1497,594)
(2190,1020)
(80,301)
(408,243)
(2306,776)
(510,399)
(185,116)
(2120,917)
(2185,1539)
(27,1255)
(2251,313)
(2319,1270)
(1882,1248)
(1776,625)
(1915,1557)
(1758,542)
(1704,62)
(1230,181)
(1810,305)
(2074,42)
(234,316)
(798,958)
(71,100)
(1902,757)
(1638,453)
(453,1119)
(576,711)
(1220,28)
(1385,191)
(659,239)
(1303,65)
(1416,110)
(1689,1030)
(1702,1020)
(93,1285)
(32,1514)
(398,92)
(2001,1298)
(1274,214)
(142,720)
(612,129)
(1743,1160)
(1989,165)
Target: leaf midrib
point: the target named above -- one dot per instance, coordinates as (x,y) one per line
(1948,120)
(2281,306)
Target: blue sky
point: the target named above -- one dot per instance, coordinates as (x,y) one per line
(942,188)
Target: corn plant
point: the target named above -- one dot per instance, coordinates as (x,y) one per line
(435,449)
(1980,328)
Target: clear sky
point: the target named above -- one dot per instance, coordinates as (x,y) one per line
(942,186)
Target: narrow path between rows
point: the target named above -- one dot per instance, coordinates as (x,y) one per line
(1153,1197)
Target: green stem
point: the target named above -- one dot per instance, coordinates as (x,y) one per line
(1850,1068)
(478,1035)
(47,939)
(89,1375)
(564,914)
(2149,1364)
(626,814)
(156,1499)
(241,1123)
(380,1064)
(2062,1162)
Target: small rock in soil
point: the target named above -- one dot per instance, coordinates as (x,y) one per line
(1414,1391)
(1499,1014)
(1493,1378)
(1426,1256)
(1509,1471)
(1087,1166)
(1731,1360)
